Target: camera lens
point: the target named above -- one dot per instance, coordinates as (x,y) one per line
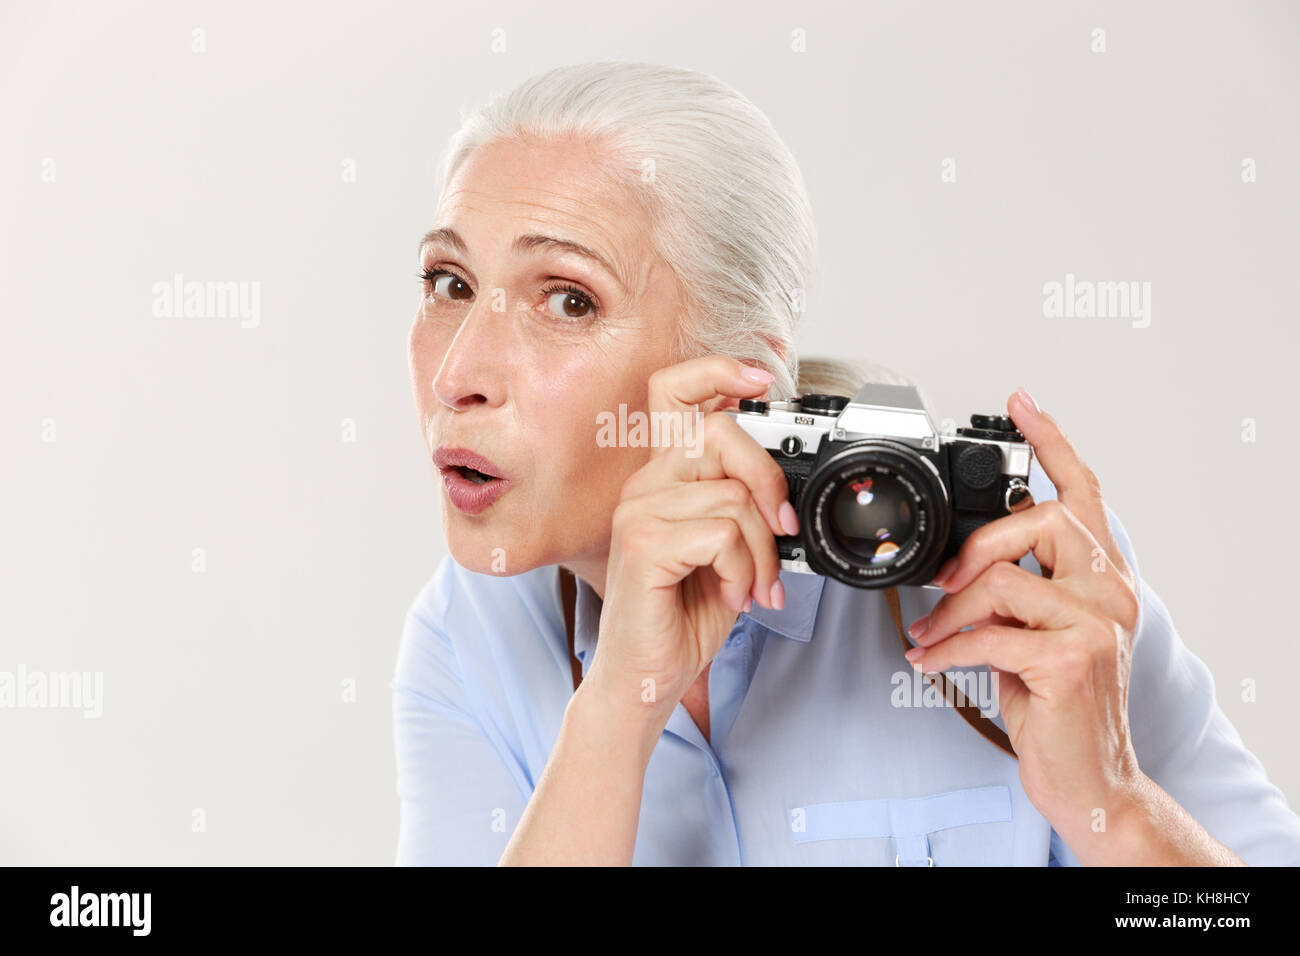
(876,514)
(872,517)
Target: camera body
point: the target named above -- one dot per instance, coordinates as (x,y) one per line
(884,498)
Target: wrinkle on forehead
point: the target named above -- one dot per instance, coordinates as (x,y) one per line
(579,197)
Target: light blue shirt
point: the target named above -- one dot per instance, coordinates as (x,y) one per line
(823,750)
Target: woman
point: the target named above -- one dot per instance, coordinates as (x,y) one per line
(618,237)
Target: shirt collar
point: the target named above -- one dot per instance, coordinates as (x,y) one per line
(803,594)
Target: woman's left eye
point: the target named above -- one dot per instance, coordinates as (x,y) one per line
(570,303)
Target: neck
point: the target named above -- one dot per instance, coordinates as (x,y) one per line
(591,568)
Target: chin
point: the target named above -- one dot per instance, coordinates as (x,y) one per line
(485,546)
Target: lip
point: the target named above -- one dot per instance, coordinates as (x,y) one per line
(465,495)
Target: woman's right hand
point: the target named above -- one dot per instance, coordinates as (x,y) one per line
(691,542)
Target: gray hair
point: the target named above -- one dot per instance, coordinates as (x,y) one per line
(727,202)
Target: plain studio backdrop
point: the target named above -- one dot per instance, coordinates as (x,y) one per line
(227,518)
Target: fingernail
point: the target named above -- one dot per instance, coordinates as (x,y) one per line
(778,595)
(946,570)
(760,375)
(914,654)
(919,627)
(789,520)
(1028,401)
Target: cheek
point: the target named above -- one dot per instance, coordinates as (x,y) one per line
(581,486)
(425,346)
(561,415)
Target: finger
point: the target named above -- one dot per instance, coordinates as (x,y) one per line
(992,619)
(1003,589)
(677,390)
(1077,486)
(724,498)
(1011,649)
(725,451)
(676,548)
(1055,535)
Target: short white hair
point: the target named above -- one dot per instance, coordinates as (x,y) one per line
(727,202)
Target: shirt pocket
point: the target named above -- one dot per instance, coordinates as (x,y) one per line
(910,821)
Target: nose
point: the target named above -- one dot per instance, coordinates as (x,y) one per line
(472,370)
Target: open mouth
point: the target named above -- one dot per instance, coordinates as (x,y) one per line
(470,489)
(473,474)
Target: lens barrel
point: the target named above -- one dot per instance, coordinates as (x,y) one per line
(876,514)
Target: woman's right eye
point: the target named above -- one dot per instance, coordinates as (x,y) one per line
(446,285)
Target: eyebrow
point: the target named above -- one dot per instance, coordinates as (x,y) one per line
(526,243)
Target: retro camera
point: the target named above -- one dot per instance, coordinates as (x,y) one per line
(883,498)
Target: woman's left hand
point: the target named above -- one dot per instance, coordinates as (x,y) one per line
(1059,645)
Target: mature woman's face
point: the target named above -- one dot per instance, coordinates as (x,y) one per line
(522,339)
